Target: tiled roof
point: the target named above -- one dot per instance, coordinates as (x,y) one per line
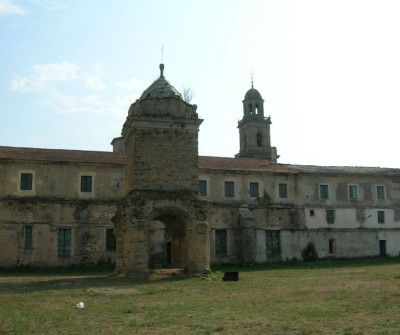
(60,155)
(205,162)
(345,170)
(241,164)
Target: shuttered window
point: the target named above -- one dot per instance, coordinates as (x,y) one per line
(229,189)
(221,246)
(28,237)
(86,183)
(26,181)
(203,187)
(272,242)
(254,190)
(64,242)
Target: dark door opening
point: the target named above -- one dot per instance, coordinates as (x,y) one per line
(382,248)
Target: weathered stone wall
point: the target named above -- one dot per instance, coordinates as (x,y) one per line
(61,180)
(165,159)
(88,221)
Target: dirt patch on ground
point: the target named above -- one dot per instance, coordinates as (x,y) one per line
(116,291)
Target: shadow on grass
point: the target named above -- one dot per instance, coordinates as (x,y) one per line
(33,280)
(310,265)
(86,278)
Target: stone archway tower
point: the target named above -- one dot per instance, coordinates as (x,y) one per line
(254,129)
(161,181)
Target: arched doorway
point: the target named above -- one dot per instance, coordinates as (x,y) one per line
(167,241)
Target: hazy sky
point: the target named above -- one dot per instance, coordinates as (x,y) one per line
(329,72)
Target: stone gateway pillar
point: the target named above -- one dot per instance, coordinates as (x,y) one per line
(161,183)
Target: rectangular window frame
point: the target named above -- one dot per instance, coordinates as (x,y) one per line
(380,192)
(111,243)
(253,190)
(28,237)
(221,242)
(26,181)
(272,242)
(229,189)
(324,191)
(203,187)
(86,184)
(330,216)
(353,192)
(282,189)
(64,242)
(381,217)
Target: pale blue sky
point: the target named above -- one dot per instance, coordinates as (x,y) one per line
(329,72)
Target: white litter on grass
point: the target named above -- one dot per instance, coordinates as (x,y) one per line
(80,305)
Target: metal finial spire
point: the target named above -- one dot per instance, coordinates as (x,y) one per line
(162,65)
(252,79)
(161,70)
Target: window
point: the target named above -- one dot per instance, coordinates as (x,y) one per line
(64,242)
(323,192)
(381,216)
(254,190)
(272,242)
(203,187)
(380,192)
(312,213)
(332,246)
(330,216)
(229,189)
(110,240)
(86,183)
(282,191)
(221,242)
(353,192)
(259,140)
(26,181)
(28,237)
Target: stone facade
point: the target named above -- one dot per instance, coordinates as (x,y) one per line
(154,202)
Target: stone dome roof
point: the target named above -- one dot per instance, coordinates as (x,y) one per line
(252,93)
(161,88)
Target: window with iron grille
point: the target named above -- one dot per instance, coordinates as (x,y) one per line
(110,240)
(272,242)
(282,191)
(254,190)
(229,189)
(381,216)
(28,237)
(26,181)
(353,192)
(323,192)
(330,216)
(64,242)
(203,187)
(380,192)
(221,246)
(86,183)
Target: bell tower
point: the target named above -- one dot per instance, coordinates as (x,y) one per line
(254,129)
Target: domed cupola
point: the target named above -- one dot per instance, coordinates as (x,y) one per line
(163,100)
(254,129)
(253,103)
(161,89)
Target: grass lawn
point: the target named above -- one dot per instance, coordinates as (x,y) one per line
(323,298)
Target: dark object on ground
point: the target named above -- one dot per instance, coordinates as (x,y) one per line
(231,276)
